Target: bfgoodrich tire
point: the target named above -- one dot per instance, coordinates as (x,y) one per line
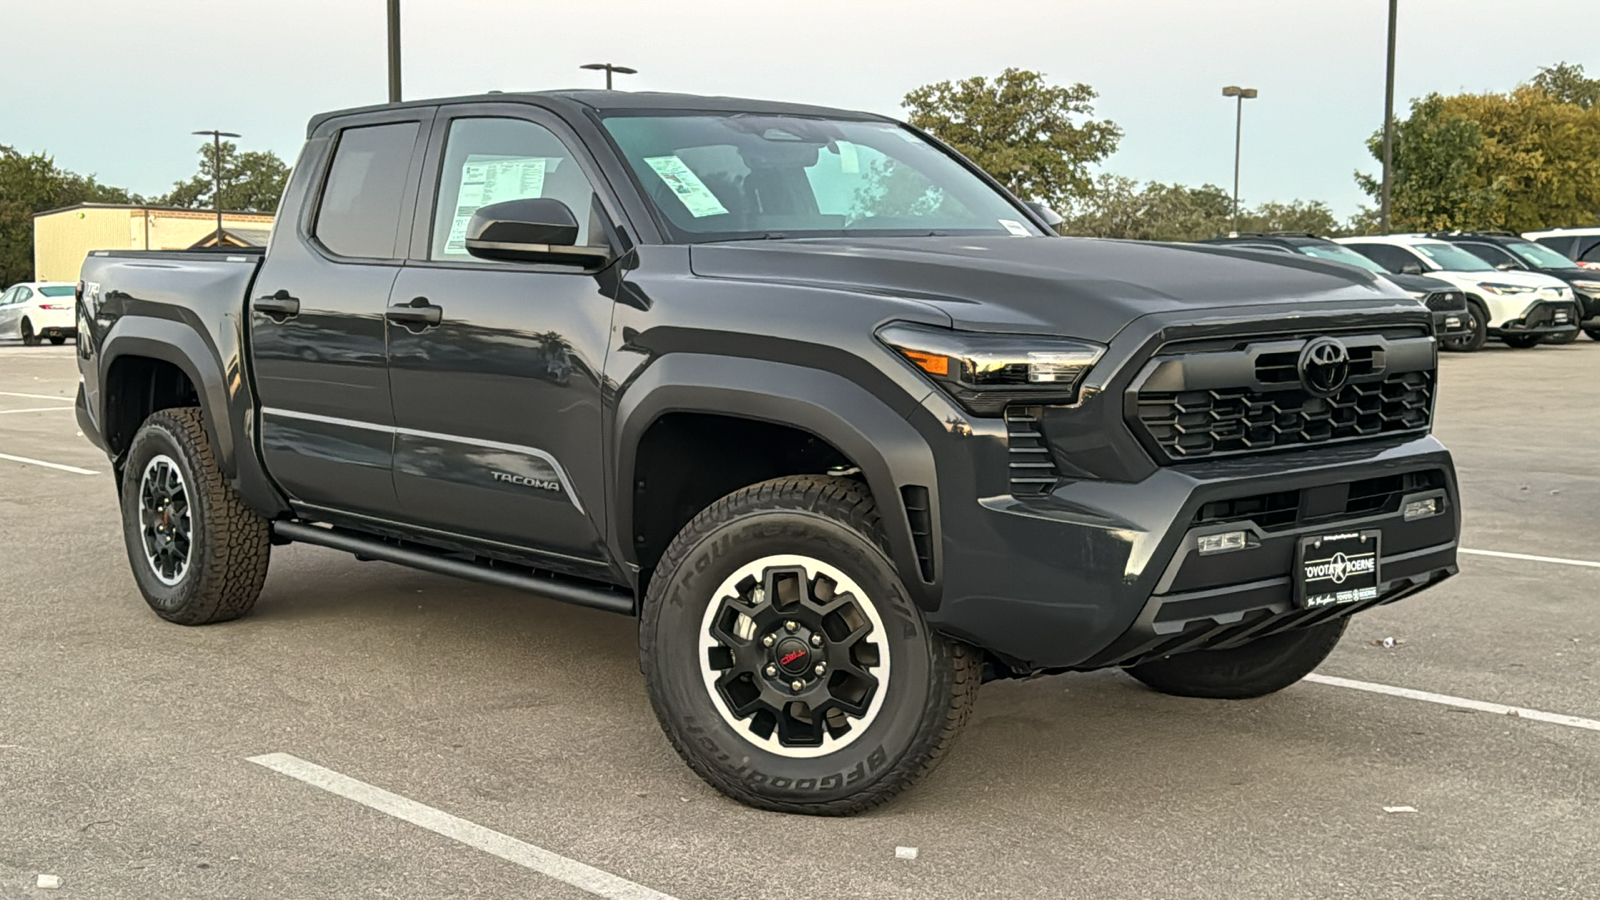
(1261,667)
(786,662)
(198,553)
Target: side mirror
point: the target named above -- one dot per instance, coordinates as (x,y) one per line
(1411,269)
(1507,267)
(1050,216)
(537,230)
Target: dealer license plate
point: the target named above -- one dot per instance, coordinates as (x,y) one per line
(1335,569)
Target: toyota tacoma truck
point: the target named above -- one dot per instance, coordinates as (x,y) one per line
(834,415)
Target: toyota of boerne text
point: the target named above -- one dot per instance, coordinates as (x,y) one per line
(842,422)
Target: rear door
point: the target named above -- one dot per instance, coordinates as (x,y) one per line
(316,320)
(498,405)
(10,312)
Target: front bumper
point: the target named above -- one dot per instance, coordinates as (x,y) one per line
(1543,317)
(1098,574)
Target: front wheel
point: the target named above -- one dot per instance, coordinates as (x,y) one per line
(199,554)
(1263,666)
(785,660)
(1521,341)
(1477,331)
(1593,333)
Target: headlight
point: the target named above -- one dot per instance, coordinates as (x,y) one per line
(1503,289)
(985,372)
(1589,286)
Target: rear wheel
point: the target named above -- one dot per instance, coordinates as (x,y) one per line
(29,339)
(1593,333)
(1261,667)
(58,340)
(786,662)
(199,554)
(1521,341)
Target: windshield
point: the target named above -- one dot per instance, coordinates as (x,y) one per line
(1338,253)
(57,290)
(1452,258)
(722,177)
(1541,257)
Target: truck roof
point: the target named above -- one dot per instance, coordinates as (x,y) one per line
(610,101)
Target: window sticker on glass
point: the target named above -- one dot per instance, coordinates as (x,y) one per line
(690,190)
(1013,226)
(492,179)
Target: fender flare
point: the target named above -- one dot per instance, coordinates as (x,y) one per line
(888,449)
(182,346)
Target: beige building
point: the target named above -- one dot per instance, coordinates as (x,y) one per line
(62,238)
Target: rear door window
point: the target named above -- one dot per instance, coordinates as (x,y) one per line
(1390,257)
(359,213)
(1491,254)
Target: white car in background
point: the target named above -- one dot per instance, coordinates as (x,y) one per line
(1581,245)
(38,311)
(1520,308)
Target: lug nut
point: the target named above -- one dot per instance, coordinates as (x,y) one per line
(816,640)
(791,626)
(798,685)
(768,641)
(772,670)
(820,668)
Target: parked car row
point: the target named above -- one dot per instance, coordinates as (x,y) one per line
(38,311)
(1520,290)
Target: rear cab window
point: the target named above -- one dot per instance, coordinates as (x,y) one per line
(358,214)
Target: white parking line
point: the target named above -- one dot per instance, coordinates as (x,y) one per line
(35,396)
(48,465)
(583,877)
(1457,702)
(35,409)
(1546,559)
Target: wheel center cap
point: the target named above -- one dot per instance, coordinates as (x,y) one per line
(794,656)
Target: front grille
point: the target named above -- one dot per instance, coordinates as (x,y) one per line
(1281,510)
(1251,399)
(1032,469)
(1446,301)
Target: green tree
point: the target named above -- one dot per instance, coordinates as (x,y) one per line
(1565,83)
(251,182)
(1312,216)
(31,184)
(1118,207)
(1516,161)
(1037,139)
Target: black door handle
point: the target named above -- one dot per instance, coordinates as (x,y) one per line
(418,314)
(278,305)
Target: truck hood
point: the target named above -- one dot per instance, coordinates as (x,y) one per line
(1083,287)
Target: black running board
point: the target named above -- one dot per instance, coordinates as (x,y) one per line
(364,547)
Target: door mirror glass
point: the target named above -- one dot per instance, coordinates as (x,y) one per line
(536,229)
(1411,269)
(1506,267)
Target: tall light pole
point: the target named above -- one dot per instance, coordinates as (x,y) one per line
(216,173)
(608,68)
(1241,94)
(394,51)
(1388,123)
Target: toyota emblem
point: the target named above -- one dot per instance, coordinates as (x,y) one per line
(1324,366)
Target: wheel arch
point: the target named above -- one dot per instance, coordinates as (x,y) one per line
(843,417)
(129,351)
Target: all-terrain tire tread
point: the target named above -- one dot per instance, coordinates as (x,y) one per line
(847,503)
(228,579)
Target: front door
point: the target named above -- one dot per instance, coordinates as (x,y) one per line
(316,314)
(497,406)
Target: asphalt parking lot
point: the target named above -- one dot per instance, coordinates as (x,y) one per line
(126,743)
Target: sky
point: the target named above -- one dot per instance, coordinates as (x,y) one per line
(114,88)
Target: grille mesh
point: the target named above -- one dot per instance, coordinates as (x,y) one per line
(1207,423)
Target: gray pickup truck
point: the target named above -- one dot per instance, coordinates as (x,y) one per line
(841,421)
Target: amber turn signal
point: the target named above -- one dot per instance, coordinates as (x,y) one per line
(932,363)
